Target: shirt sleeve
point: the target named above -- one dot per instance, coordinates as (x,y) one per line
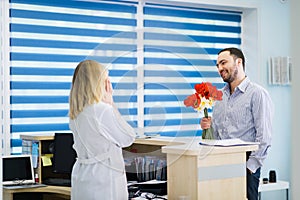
(262,111)
(115,128)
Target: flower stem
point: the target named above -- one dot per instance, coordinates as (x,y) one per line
(205,113)
(207,133)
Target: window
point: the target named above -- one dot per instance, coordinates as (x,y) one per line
(181,45)
(155,55)
(48,40)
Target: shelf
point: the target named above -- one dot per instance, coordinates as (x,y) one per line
(279,185)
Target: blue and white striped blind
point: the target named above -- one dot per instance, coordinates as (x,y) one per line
(181,46)
(49,38)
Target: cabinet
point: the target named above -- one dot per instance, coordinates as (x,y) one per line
(141,148)
(44,142)
(146,164)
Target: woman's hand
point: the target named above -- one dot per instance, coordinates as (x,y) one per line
(205,123)
(107,98)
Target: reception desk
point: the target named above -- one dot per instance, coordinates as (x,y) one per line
(206,172)
(194,171)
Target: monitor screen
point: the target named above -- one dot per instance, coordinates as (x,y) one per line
(17,169)
(64,155)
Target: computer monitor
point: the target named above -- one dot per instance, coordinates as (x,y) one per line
(64,156)
(17,169)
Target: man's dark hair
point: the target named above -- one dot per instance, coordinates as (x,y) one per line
(236,53)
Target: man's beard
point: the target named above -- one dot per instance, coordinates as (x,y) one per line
(231,76)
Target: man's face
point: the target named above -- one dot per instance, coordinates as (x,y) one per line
(227,66)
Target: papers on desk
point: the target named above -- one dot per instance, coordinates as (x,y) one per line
(150,182)
(226,142)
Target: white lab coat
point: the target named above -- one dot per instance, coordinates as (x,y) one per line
(99,172)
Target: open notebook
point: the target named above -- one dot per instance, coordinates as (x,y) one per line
(18,172)
(226,142)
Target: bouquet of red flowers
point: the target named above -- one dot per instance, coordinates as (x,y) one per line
(204,98)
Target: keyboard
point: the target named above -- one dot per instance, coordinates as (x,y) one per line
(58,182)
(21,186)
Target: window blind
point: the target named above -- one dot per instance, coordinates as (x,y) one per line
(47,40)
(181,46)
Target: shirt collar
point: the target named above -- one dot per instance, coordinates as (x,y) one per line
(242,86)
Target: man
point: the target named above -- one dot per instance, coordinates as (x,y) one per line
(245,112)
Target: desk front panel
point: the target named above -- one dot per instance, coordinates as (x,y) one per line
(214,176)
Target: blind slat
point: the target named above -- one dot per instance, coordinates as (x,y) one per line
(107,6)
(192,26)
(56,113)
(70,44)
(161,86)
(71,31)
(39,127)
(63,72)
(190,50)
(69,58)
(192,14)
(189,38)
(71,17)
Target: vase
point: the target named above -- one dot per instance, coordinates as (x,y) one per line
(207,133)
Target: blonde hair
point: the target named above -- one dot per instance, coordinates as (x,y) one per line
(88,86)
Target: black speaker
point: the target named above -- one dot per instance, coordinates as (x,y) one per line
(272,176)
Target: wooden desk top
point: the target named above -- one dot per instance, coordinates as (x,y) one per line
(48,189)
(163,141)
(173,145)
(192,147)
(160,141)
(38,136)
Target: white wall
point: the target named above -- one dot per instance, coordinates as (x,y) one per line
(275,41)
(295,147)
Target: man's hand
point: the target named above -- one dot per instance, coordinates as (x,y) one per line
(249,171)
(205,123)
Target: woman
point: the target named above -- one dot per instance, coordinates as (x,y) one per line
(99,135)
